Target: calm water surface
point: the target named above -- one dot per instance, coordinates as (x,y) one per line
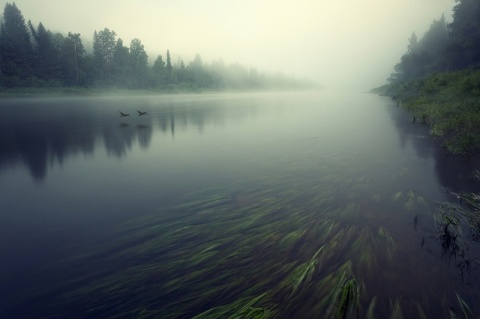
(280,205)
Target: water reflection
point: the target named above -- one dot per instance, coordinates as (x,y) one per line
(457,173)
(45,132)
(312,196)
(41,133)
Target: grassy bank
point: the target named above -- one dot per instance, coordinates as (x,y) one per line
(448,103)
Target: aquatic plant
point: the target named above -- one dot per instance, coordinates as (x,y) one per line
(396,310)
(397,196)
(262,252)
(303,274)
(371,309)
(349,300)
(240,309)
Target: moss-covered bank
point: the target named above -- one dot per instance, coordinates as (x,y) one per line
(448,103)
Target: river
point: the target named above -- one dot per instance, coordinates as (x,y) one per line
(279,205)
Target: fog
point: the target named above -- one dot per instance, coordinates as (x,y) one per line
(339,44)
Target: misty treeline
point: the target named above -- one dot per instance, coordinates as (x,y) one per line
(33,56)
(438,79)
(445,47)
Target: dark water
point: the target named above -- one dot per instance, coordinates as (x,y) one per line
(86,196)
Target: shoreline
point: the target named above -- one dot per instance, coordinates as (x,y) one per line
(33,92)
(447,103)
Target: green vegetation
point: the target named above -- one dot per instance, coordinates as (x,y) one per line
(262,252)
(34,57)
(448,103)
(438,79)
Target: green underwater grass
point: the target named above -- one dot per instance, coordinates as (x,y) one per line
(260,252)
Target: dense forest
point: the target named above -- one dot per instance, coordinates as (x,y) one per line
(438,79)
(33,56)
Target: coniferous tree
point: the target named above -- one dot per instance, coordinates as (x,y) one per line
(47,56)
(182,72)
(15,47)
(199,76)
(35,56)
(424,56)
(104,43)
(138,61)
(169,68)
(72,55)
(120,63)
(412,44)
(464,47)
(158,72)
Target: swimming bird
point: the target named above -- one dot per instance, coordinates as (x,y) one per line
(123,114)
(142,113)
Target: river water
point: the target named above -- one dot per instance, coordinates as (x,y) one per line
(279,205)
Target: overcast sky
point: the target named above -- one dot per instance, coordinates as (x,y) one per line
(338,43)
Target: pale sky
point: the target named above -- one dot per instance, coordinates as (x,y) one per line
(338,43)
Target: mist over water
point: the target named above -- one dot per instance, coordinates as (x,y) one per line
(77,179)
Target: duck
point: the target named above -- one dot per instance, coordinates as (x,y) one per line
(142,113)
(123,114)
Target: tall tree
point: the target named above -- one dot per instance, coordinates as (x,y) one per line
(138,62)
(104,43)
(73,53)
(181,72)
(120,63)
(424,56)
(464,47)
(412,44)
(198,75)
(169,68)
(158,72)
(47,56)
(15,48)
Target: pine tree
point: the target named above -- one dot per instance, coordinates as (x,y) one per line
(120,63)
(73,53)
(138,60)
(169,68)
(464,48)
(15,48)
(104,43)
(158,72)
(47,56)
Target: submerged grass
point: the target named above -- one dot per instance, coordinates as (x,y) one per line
(303,274)
(240,309)
(261,253)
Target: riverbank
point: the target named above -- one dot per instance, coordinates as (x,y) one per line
(448,103)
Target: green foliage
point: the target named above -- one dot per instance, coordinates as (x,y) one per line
(121,64)
(138,60)
(443,47)
(35,57)
(72,55)
(464,46)
(424,56)
(439,81)
(104,44)
(15,48)
(448,103)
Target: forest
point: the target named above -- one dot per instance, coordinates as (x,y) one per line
(438,79)
(33,56)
